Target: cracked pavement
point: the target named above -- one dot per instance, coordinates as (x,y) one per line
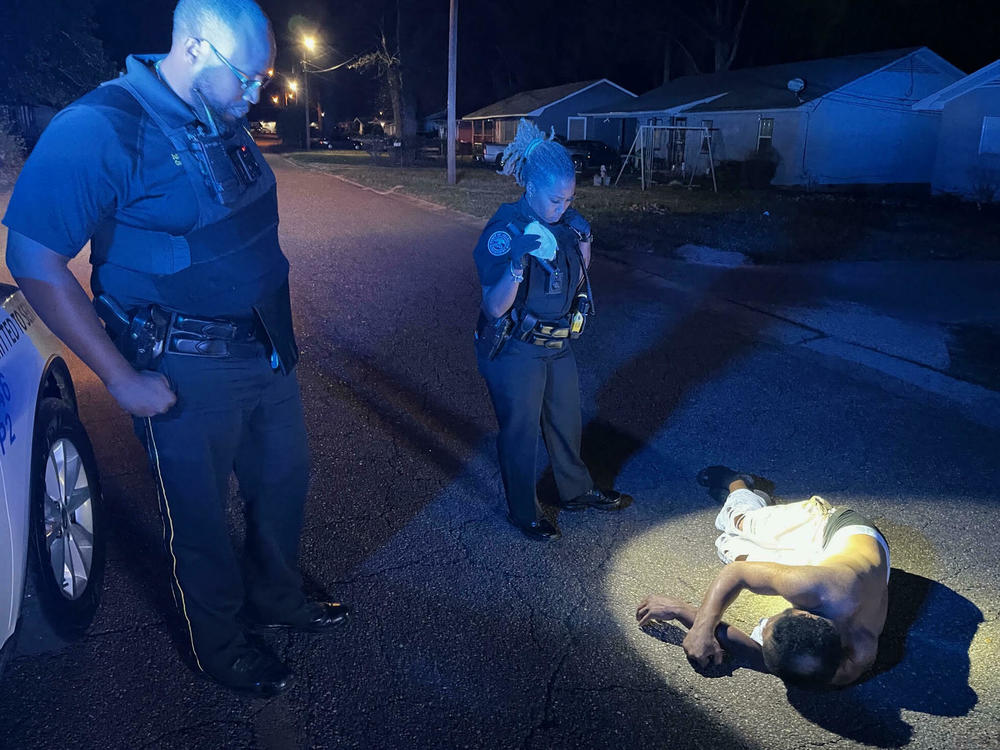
(465,633)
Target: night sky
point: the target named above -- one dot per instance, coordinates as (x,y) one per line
(510,45)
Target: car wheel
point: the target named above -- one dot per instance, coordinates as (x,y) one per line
(498,162)
(67,529)
(9,647)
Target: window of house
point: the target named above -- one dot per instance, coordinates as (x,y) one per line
(989,141)
(576,128)
(506,130)
(765,133)
(706,137)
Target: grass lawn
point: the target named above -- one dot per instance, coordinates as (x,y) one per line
(767,225)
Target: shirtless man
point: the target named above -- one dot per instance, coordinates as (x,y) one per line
(831,565)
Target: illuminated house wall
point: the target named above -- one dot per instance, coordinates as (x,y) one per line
(852,121)
(967,154)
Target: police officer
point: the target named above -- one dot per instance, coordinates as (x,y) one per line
(157,170)
(532,261)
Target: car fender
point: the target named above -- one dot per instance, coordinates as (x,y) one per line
(30,363)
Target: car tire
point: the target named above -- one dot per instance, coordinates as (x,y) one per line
(498,162)
(9,647)
(67,539)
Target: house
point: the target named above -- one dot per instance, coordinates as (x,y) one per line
(838,121)
(967,158)
(557,106)
(436,123)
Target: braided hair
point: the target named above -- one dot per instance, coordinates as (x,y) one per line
(531,157)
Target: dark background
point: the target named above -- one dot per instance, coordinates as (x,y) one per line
(506,46)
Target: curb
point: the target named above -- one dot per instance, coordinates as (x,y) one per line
(976,402)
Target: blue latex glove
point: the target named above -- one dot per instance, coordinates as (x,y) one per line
(520,246)
(577,223)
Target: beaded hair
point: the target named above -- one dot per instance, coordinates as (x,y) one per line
(531,157)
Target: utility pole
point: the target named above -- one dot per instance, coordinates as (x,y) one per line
(452,72)
(305,99)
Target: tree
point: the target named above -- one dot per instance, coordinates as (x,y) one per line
(50,54)
(708,30)
(387,60)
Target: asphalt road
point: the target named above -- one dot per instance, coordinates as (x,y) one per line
(467,634)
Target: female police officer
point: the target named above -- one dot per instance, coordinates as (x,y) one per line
(532,259)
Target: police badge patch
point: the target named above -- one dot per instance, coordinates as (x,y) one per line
(499,243)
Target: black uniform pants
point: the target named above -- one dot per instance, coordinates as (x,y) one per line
(531,386)
(239,415)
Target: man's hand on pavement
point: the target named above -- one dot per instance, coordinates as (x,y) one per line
(655,607)
(143,394)
(703,649)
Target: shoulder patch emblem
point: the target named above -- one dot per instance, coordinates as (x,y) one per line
(499,243)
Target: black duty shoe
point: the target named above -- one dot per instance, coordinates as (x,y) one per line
(316,617)
(541,530)
(596,498)
(254,671)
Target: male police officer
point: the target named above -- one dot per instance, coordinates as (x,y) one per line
(157,170)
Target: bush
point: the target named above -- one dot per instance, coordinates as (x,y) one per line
(11,151)
(985,183)
(290,126)
(760,167)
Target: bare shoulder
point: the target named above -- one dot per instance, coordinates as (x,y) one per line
(861,647)
(803,586)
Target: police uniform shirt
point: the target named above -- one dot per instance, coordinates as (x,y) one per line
(492,258)
(104,159)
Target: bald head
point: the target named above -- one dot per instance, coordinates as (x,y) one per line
(219,48)
(233,26)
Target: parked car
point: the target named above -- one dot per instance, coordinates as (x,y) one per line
(333,143)
(588,156)
(51,507)
(489,153)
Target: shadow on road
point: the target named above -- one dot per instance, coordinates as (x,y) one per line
(922,665)
(636,400)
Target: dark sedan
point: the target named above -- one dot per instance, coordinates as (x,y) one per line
(588,156)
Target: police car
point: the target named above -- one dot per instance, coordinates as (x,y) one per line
(50,495)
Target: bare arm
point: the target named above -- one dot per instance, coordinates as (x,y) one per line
(498,298)
(63,305)
(860,657)
(800,585)
(735,641)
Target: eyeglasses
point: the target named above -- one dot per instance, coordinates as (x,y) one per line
(248,84)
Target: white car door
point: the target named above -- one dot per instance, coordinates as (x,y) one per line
(7,615)
(21,368)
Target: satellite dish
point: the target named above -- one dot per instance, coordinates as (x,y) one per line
(796,85)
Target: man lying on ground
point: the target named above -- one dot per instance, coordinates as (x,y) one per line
(830,564)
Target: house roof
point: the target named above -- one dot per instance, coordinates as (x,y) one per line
(763,87)
(531,103)
(988,76)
